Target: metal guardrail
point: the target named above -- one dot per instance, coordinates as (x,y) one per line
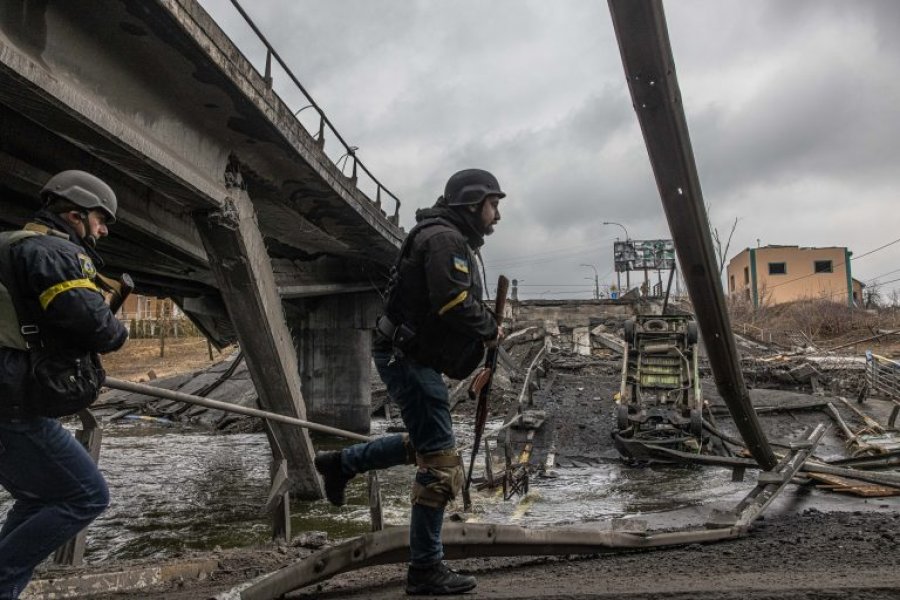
(643,39)
(468,540)
(883,379)
(350,151)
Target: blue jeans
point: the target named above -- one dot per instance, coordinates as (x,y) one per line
(425,409)
(57,490)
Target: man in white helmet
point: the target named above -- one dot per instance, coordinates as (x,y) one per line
(51,309)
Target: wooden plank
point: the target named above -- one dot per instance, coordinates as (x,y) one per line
(243,272)
(853,486)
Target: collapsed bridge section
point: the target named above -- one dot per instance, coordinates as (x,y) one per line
(228,204)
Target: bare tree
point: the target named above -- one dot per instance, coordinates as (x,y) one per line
(872,294)
(721,253)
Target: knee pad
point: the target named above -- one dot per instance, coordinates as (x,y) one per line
(444,474)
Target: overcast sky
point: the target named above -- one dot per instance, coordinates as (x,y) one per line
(792,107)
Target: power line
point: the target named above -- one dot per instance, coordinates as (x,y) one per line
(550,285)
(548,255)
(876,249)
(840,264)
(874,279)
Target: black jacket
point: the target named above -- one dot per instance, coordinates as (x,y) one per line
(56,277)
(438,292)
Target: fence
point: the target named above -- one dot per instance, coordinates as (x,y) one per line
(157,328)
(883,380)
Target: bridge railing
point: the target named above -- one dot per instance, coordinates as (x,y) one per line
(349,151)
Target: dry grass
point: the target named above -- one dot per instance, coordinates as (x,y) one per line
(138,357)
(818,322)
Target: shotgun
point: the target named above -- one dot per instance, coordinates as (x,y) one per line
(480,388)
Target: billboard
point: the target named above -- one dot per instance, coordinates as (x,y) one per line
(637,255)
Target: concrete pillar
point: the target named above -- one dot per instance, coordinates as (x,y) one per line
(333,335)
(240,263)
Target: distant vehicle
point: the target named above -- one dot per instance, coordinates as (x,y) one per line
(660,400)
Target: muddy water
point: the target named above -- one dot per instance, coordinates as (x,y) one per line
(179,490)
(604,492)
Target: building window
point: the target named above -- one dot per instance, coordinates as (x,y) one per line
(779,268)
(731,282)
(746,275)
(822,266)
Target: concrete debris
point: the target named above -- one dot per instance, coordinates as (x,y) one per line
(803,373)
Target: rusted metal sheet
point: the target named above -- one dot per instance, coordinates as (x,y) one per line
(643,38)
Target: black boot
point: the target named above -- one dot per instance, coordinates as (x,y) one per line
(436,579)
(328,464)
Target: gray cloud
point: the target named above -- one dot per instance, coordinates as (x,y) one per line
(792,108)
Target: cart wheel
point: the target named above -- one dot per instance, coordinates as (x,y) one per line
(622,417)
(692,333)
(628,333)
(696,423)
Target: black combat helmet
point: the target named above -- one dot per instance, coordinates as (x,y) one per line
(471,186)
(84,190)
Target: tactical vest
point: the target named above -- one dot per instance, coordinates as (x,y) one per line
(423,335)
(10,334)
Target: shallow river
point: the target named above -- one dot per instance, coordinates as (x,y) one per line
(175,490)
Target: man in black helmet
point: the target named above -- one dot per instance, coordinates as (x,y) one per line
(434,322)
(48,270)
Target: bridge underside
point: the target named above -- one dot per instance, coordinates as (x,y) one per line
(156,100)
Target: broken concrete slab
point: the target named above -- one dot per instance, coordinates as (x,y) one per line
(613,342)
(803,373)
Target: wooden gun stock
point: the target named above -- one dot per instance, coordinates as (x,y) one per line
(118,289)
(479,381)
(480,387)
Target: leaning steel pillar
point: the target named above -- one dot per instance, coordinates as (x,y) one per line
(334,339)
(241,266)
(643,38)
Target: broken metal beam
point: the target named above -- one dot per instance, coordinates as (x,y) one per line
(640,27)
(149,390)
(467,541)
(890,479)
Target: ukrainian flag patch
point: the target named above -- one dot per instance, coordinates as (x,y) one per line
(461,264)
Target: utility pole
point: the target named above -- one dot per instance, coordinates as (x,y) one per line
(596,281)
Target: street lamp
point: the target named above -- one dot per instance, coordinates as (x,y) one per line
(596,280)
(627,237)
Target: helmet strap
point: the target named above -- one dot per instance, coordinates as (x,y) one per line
(88,238)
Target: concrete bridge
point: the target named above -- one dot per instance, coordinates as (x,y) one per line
(228,204)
